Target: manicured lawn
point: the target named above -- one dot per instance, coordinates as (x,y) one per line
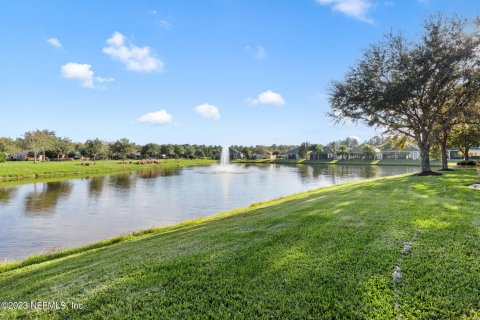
(328,253)
(18,170)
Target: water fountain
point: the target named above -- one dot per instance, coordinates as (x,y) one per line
(225,156)
(225,166)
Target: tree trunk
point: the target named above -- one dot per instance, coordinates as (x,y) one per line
(466,156)
(34,157)
(444,155)
(425,156)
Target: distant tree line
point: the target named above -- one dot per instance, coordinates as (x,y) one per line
(45,144)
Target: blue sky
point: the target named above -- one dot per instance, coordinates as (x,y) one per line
(178,71)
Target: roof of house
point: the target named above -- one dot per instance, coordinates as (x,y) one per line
(293,151)
(234,150)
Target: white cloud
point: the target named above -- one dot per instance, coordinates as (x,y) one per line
(78,71)
(54,42)
(135,58)
(103,80)
(268,98)
(258,53)
(157,117)
(84,73)
(208,111)
(357,9)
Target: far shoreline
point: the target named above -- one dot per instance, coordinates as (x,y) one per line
(435,163)
(16,172)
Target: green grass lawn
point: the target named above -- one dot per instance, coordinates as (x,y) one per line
(19,170)
(387,162)
(329,253)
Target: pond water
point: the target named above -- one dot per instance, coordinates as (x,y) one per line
(46,216)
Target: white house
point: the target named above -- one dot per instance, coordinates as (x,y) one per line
(412,153)
(235,154)
(455,153)
(20,156)
(265,155)
(292,154)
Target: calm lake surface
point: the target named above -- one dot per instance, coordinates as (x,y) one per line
(46,216)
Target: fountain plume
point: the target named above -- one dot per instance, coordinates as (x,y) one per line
(225,156)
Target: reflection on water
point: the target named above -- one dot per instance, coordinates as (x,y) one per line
(337,173)
(6,193)
(45,196)
(156,172)
(121,181)
(38,216)
(95,186)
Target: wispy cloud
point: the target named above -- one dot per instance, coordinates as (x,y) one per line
(257,53)
(54,42)
(140,59)
(157,117)
(267,98)
(165,24)
(357,9)
(83,73)
(104,80)
(208,111)
(162,23)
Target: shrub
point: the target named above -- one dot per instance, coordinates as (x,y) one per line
(3,157)
(466,163)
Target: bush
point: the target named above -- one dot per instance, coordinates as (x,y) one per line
(3,157)
(466,163)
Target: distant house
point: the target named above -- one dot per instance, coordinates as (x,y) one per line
(265,155)
(293,154)
(412,153)
(20,156)
(327,154)
(455,153)
(357,153)
(235,154)
(475,152)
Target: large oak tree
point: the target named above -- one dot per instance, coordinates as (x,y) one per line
(414,88)
(38,141)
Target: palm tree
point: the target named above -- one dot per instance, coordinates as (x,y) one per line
(343,150)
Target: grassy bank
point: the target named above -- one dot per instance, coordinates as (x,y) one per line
(23,170)
(328,253)
(386,162)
